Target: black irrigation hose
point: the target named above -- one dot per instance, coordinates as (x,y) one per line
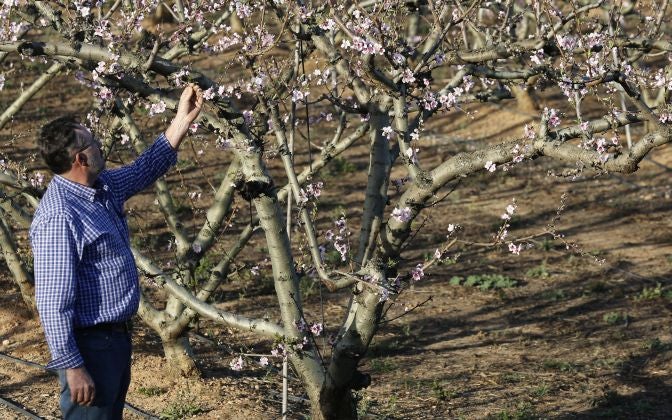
(30,415)
(13,406)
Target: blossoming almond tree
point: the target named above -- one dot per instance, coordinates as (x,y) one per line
(385,68)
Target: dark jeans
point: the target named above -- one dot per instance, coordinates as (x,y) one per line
(107,358)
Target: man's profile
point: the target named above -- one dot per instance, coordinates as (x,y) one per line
(86,280)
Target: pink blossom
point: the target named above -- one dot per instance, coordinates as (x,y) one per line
(417,273)
(255,271)
(37,180)
(490,166)
(429,101)
(247,116)
(529,132)
(402,215)
(157,108)
(408,77)
(340,224)
(537,57)
(237,364)
(301,325)
(263,361)
(388,132)
(567,42)
(298,96)
(316,329)
(342,247)
(328,25)
(412,155)
(209,94)
(223,143)
(553,118)
(515,249)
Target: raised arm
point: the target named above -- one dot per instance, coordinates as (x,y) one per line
(158,158)
(188,109)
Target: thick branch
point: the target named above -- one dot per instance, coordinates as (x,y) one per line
(30,92)
(260,326)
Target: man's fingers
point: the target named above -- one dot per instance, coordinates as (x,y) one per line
(74,395)
(89,395)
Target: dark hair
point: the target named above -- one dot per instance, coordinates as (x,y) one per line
(57,141)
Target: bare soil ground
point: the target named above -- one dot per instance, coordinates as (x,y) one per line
(575,338)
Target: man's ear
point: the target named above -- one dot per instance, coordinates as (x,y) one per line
(81,159)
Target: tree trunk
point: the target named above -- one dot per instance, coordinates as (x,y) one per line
(179,357)
(22,277)
(335,405)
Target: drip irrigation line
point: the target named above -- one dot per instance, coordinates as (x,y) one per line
(34,365)
(19,409)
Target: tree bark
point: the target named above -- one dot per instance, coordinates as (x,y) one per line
(179,356)
(335,405)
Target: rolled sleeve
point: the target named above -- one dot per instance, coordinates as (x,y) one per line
(147,168)
(55,264)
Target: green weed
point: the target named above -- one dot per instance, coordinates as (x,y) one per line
(441,393)
(613,318)
(383,365)
(650,293)
(560,365)
(540,391)
(339,166)
(307,286)
(181,409)
(539,271)
(484,281)
(524,411)
(555,295)
(151,391)
(657,346)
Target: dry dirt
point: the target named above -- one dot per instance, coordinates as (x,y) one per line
(575,338)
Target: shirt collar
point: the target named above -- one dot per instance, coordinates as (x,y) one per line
(87,193)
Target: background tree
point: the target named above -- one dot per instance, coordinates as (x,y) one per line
(385,68)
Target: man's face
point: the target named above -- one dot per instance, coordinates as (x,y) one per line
(92,150)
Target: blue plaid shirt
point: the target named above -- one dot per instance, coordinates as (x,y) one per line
(84,269)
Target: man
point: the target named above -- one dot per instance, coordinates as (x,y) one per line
(85,277)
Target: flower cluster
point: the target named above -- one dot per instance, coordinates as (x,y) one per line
(417,273)
(157,108)
(312,191)
(340,240)
(403,215)
(237,364)
(552,117)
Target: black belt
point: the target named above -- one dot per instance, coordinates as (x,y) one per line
(124,326)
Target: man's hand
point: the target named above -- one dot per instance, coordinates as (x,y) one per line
(82,388)
(188,109)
